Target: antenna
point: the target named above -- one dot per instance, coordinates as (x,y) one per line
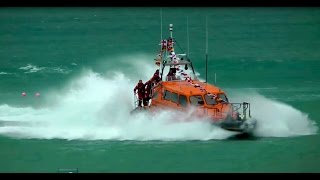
(206,49)
(171,28)
(160,67)
(188,34)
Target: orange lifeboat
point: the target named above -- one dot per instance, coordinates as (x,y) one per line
(179,89)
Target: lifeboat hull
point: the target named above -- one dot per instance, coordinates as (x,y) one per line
(240,125)
(243,126)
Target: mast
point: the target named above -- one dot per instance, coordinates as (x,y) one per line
(171,29)
(161,54)
(206,49)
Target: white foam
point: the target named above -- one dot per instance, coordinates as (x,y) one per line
(33,69)
(276,119)
(2,73)
(94,107)
(97,107)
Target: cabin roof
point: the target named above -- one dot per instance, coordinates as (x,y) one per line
(188,88)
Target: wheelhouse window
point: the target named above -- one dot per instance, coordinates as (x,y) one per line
(223,97)
(183,100)
(174,97)
(167,95)
(196,100)
(210,99)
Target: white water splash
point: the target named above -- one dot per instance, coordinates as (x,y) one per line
(95,107)
(276,119)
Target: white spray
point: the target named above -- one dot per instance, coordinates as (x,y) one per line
(94,107)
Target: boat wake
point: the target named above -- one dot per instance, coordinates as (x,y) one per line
(276,119)
(94,107)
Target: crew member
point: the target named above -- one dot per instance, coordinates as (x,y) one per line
(156,77)
(148,94)
(141,92)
